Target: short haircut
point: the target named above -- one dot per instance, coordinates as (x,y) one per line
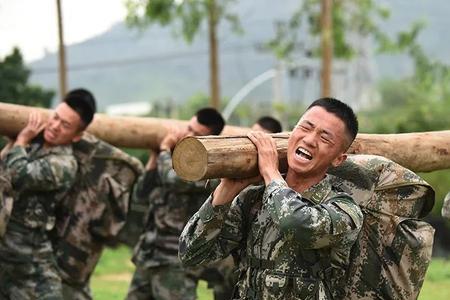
(83,102)
(270,124)
(342,111)
(212,119)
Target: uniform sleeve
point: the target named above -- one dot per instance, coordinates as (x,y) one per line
(212,233)
(313,225)
(44,174)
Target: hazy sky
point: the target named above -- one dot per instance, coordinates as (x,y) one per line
(32,24)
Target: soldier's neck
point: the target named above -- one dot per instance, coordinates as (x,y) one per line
(302,182)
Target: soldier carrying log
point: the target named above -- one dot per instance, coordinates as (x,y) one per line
(43,168)
(294,233)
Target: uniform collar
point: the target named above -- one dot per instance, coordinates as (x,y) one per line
(318,192)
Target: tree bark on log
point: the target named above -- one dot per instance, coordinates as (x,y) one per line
(197,158)
(130,132)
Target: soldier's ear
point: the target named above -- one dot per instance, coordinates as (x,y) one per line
(339,160)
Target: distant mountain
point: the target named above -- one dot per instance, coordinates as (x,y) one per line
(125,65)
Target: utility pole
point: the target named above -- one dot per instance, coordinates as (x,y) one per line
(326,22)
(213,54)
(61,54)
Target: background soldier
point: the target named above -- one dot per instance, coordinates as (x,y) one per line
(93,212)
(159,274)
(267,124)
(295,233)
(139,208)
(42,168)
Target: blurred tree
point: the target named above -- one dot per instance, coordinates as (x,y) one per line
(419,102)
(14,86)
(187,17)
(349,19)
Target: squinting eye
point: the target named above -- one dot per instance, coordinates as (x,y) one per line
(304,128)
(326,140)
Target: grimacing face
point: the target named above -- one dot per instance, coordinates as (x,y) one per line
(63,126)
(318,141)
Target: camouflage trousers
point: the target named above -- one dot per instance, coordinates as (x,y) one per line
(72,292)
(162,283)
(27,267)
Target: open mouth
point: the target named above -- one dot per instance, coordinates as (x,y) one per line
(303,153)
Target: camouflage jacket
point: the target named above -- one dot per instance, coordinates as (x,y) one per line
(172,202)
(293,246)
(6,199)
(445,211)
(40,177)
(139,208)
(95,209)
(393,251)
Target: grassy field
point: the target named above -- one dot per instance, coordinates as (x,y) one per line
(113,275)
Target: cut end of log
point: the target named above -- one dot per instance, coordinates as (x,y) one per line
(189,159)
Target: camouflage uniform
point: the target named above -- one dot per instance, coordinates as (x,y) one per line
(221,276)
(40,177)
(293,246)
(6,199)
(93,212)
(159,274)
(393,251)
(446,207)
(139,209)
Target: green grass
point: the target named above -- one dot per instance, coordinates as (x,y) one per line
(437,281)
(113,274)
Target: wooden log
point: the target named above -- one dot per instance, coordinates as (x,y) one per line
(131,132)
(197,158)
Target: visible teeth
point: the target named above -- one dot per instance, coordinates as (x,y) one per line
(304,153)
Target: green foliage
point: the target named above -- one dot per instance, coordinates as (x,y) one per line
(141,154)
(186,16)
(192,105)
(14,86)
(350,18)
(417,103)
(440,181)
